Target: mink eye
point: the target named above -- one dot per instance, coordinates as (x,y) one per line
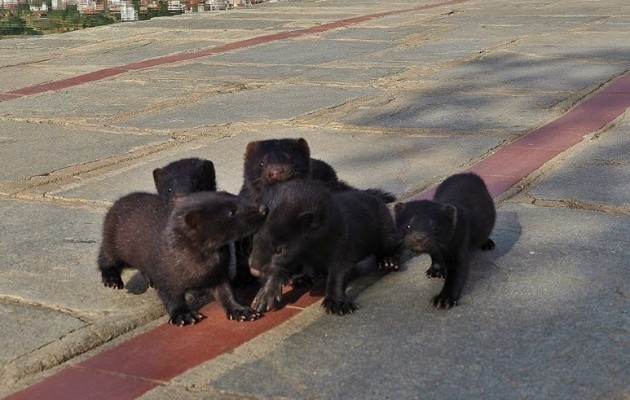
(408,228)
(277,250)
(261,164)
(169,190)
(231,213)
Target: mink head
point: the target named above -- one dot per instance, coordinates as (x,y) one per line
(183,177)
(268,162)
(210,220)
(427,225)
(299,217)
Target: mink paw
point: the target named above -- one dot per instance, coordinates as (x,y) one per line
(388,264)
(185,318)
(489,245)
(112,281)
(243,314)
(443,301)
(267,298)
(338,307)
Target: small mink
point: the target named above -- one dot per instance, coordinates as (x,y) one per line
(181,249)
(328,232)
(182,177)
(460,218)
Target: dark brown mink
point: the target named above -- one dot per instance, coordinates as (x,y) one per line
(327,232)
(181,250)
(269,162)
(460,218)
(182,177)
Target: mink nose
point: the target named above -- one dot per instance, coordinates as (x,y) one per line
(421,238)
(263,210)
(276,173)
(256,273)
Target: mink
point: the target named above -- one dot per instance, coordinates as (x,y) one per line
(460,218)
(309,226)
(269,162)
(182,249)
(182,177)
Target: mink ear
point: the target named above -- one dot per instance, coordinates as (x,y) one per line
(398,208)
(303,147)
(251,148)
(157,175)
(192,219)
(451,212)
(208,170)
(307,221)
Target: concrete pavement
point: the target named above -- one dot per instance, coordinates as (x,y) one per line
(399,98)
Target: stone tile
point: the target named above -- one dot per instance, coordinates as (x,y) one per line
(443,108)
(246,105)
(31,149)
(399,164)
(604,161)
(26,328)
(51,251)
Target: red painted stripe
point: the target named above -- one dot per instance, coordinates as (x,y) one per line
(65,83)
(180,57)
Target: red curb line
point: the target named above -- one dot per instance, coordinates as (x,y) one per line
(180,57)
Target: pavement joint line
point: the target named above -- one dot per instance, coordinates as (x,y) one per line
(188,56)
(216,335)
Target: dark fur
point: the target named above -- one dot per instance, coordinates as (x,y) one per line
(269,162)
(308,226)
(179,251)
(460,218)
(182,177)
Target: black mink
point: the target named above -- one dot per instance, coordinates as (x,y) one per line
(328,232)
(460,218)
(181,249)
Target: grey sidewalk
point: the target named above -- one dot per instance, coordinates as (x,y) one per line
(398,102)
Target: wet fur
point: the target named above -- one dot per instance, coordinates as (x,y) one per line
(180,250)
(459,219)
(310,226)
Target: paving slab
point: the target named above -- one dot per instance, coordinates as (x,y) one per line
(307,51)
(251,104)
(449,109)
(133,96)
(31,149)
(605,161)
(44,326)
(585,45)
(50,266)
(263,73)
(396,163)
(506,70)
